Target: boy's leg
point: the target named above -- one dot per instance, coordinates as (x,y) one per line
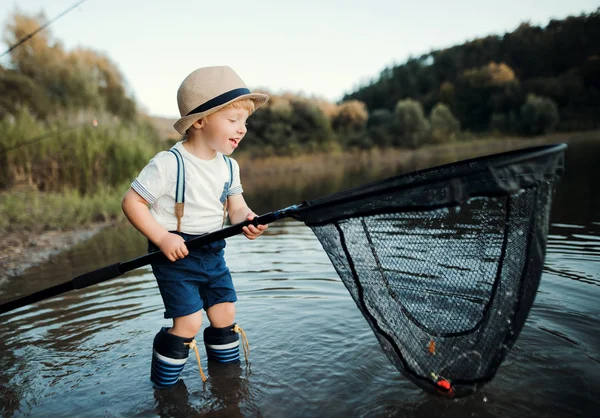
(222,343)
(187,326)
(221,314)
(171,349)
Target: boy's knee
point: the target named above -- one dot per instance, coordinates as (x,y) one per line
(187,326)
(221,315)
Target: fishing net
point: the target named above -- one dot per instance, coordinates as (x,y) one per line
(444,263)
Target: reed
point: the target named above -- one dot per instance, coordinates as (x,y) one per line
(36,211)
(73,152)
(272,171)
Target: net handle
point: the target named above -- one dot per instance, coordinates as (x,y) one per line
(115,270)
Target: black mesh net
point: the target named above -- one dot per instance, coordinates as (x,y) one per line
(444,263)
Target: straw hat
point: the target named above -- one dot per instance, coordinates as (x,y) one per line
(207,90)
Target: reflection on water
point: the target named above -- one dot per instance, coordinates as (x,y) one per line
(579,247)
(312,354)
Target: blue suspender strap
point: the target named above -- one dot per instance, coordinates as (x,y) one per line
(179,188)
(228,161)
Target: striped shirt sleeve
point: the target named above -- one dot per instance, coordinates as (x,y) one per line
(152,183)
(142,191)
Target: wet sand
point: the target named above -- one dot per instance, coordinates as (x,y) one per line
(20,250)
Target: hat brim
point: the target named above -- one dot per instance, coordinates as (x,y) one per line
(183,124)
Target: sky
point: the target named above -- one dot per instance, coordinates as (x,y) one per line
(323,48)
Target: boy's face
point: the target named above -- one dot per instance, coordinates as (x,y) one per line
(225,129)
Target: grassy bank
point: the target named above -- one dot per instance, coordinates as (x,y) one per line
(84,152)
(37,211)
(66,205)
(69,171)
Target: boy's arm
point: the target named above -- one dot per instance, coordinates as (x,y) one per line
(239,212)
(136,210)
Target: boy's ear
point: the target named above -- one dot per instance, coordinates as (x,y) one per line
(198,124)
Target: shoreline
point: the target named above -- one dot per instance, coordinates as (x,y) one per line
(317,163)
(21,250)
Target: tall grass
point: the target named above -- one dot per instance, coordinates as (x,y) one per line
(35,211)
(68,171)
(69,154)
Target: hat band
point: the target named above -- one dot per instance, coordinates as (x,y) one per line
(219,100)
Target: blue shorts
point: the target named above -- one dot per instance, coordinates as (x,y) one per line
(199,280)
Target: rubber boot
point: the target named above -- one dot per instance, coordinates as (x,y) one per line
(222,344)
(168,358)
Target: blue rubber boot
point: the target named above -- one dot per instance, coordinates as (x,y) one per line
(222,344)
(168,358)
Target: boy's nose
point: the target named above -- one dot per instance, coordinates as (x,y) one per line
(242,129)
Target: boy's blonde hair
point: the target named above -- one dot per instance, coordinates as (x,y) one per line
(247,104)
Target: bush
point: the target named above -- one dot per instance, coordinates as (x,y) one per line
(444,125)
(539,115)
(21,91)
(350,116)
(411,124)
(380,127)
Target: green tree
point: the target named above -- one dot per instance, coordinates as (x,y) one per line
(539,115)
(287,125)
(380,127)
(493,76)
(411,124)
(444,125)
(310,125)
(483,91)
(19,91)
(81,78)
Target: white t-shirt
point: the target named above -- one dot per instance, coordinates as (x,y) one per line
(206,189)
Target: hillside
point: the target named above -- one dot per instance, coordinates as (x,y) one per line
(485,82)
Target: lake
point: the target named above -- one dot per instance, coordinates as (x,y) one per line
(87,353)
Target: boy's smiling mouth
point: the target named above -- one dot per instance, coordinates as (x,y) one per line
(234,142)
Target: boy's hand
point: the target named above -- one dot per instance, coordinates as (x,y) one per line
(251,231)
(173,246)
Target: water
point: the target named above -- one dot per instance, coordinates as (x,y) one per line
(87,352)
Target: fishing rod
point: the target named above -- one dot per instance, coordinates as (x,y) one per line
(32,34)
